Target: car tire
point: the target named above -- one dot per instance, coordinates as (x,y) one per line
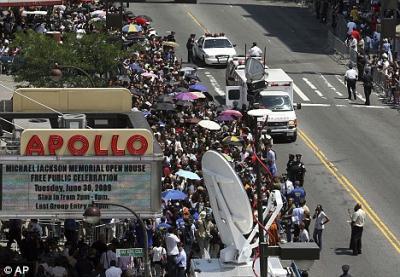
(294,138)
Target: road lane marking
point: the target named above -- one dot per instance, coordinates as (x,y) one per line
(329,85)
(300,93)
(315,105)
(197,22)
(349,187)
(215,84)
(311,85)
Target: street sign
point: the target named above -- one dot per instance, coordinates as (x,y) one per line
(254,70)
(130,252)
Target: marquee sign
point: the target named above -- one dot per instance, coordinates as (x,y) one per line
(24,3)
(86,142)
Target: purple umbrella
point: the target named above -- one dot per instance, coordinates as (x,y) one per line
(198,87)
(186,96)
(224,117)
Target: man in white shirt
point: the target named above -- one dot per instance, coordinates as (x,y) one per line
(350,79)
(304,236)
(357,226)
(181,261)
(113,271)
(255,51)
(171,242)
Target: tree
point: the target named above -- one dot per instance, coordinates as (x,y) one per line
(93,53)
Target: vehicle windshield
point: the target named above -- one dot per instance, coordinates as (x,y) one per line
(276,102)
(217,43)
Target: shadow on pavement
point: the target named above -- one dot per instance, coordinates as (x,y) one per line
(293,26)
(343,251)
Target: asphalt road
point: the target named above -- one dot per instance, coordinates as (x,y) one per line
(359,145)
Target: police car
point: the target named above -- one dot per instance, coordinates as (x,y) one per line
(214,49)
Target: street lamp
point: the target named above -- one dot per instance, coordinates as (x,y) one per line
(56,72)
(262,246)
(92,215)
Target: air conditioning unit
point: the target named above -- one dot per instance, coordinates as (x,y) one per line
(21,124)
(72,121)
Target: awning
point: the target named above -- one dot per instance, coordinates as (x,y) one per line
(13,3)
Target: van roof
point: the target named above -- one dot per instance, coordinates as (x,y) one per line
(274,93)
(274,75)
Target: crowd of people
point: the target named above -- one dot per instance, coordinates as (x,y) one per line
(372,55)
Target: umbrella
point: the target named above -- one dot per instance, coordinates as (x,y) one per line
(186,96)
(134,28)
(136,92)
(187,68)
(188,174)
(198,87)
(170,44)
(232,113)
(210,125)
(148,18)
(165,99)
(136,67)
(140,20)
(149,75)
(99,13)
(163,226)
(173,195)
(165,107)
(233,140)
(193,120)
(198,94)
(227,157)
(184,103)
(226,118)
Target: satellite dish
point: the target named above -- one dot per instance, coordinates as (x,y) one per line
(254,70)
(226,189)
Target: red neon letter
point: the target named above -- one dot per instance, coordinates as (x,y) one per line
(78,152)
(114,146)
(55,143)
(97,147)
(34,145)
(143,145)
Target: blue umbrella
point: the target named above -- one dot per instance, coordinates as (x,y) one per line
(188,174)
(163,226)
(136,67)
(198,87)
(173,195)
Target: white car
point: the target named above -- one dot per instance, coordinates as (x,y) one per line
(212,49)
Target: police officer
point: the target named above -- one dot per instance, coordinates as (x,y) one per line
(300,169)
(350,79)
(367,78)
(189,47)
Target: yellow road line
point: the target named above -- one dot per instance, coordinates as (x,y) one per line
(197,22)
(355,194)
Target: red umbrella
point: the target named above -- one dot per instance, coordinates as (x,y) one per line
(232,113)
(141,20)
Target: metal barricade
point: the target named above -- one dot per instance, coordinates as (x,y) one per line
(341,50)
(379,79)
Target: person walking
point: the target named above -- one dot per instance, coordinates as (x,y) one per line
(357,225)
(367,79)
(350,78)
(189,47)
(181,261)
(320,220)
(171,242)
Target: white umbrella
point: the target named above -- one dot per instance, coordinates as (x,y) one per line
(209,124)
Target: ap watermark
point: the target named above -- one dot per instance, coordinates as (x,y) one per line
(18,270)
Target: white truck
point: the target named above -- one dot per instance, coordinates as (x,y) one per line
(276,96)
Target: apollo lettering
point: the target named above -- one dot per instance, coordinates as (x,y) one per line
(79,145)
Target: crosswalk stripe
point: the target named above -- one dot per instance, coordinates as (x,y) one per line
(320,94)
(329,85)
(309,83)
(300,93)
(215,84)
